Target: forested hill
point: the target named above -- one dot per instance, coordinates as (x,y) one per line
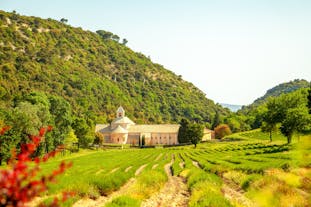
(254,111)
(94,72)
(282,88)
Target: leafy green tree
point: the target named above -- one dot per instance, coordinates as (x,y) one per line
(183,130)
(309,99)
(61,113)
(295,121)
(124,41)
(233,123)
(115,38)
(81,128)
(63,20)
(70,140)
(104,34)
(290,110)
(272,115)
(195,133)
(216,120)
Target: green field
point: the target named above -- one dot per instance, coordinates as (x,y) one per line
(249,172)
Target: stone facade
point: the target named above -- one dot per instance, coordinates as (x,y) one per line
(123,130)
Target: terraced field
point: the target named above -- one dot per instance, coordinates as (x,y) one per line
(252,172)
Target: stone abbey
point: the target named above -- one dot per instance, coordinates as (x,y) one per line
(123,130)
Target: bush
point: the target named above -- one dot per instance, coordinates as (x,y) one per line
(222,130)
(19,182)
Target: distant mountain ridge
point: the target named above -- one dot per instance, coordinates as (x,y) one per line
(94,72)
(232,107)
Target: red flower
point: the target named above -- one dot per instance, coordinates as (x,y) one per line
(18,183)
(42,132)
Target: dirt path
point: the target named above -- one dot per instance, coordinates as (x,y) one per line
(173,194)
(158,157)
(154,166)
(128,168)
(102,200)
(196,164)
(140,169)
(114,170)
(182,165)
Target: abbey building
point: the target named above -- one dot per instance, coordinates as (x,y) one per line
(123,130)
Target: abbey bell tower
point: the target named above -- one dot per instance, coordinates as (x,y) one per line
(120,112)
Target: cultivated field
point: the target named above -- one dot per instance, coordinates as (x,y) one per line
(248,172)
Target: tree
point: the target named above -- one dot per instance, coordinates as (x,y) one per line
(271,116)
(70,140)
(81,129)
(222,130)
(216,120)
(99,138)
(195,133)
(105,34)
(269,127)
(115,38)
(309,99)
(124,41)
(290,110)
(182,132)
(295,121)
(190,132)
(63,20)
(62,116)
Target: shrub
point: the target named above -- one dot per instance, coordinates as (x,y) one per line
(18,182)
(222,130)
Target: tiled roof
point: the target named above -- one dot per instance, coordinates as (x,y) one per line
(100,127)
(157,128)
(120,130)
(122,120)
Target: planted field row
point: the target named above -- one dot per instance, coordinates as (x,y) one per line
(103,172)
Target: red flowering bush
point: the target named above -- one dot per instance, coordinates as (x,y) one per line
(19,182)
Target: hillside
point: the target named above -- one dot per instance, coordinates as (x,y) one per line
(253,113)
(95,74)
(283,88)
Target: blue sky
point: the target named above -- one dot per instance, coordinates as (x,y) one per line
(233,50)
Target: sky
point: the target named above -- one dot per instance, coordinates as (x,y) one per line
(233,50)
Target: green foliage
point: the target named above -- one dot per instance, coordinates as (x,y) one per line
(70,138)
(254,111)
(195,133)
(182,133)
(205,189)
(290,110)
(309,99)
(222,130)
(190,132)
(93,73)
(124,201)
